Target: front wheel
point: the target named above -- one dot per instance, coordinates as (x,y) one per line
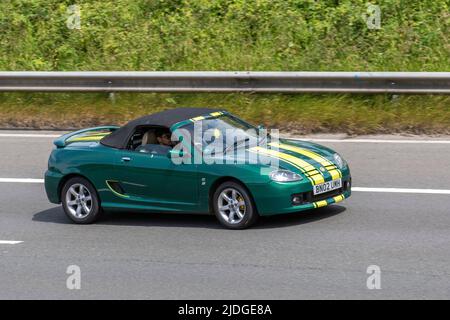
(233,206)
(80,201)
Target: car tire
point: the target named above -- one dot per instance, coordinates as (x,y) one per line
(233,206)
(80,201)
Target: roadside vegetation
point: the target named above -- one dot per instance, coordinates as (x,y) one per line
(263,35)
(353,114)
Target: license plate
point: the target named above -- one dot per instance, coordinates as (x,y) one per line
(327,186)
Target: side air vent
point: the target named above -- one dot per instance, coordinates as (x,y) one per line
(116,188)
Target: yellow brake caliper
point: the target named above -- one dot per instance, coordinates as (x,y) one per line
(242,208)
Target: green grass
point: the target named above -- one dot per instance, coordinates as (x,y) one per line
(260,35)
(353,114)
(289,35)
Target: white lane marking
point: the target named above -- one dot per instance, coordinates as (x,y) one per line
(28,135)
(9,242)
(21,180)
(401,190)
(357,189)
(374,141)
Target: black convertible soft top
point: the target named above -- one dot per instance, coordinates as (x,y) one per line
(119,138)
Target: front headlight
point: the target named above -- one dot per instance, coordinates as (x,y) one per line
(340,162)
(284,176)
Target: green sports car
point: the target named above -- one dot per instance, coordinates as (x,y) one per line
(192,160)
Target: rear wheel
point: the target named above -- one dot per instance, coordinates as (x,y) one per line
(80,201)
(233,206)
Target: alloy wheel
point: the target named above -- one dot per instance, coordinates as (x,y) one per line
(79,200)
(231,205)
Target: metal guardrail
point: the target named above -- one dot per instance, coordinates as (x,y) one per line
(199,81)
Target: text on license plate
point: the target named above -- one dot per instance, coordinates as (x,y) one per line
(327,186)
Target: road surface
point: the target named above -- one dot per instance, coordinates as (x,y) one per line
(321,254)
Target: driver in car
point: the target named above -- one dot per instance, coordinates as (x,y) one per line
(163,138)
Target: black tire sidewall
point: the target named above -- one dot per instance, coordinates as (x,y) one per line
(250,215)
(96,209)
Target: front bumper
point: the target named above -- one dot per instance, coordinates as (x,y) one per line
(276,198)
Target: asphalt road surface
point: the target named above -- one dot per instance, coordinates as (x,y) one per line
(322,253)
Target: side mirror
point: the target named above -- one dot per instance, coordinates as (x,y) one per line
(175,153)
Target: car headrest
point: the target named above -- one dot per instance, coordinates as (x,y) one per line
(149,138)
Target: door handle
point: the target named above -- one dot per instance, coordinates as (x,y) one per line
(126,159)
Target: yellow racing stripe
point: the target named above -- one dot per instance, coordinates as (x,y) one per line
(86,138)
(309,170)
(327,164)
(197,118)
(275,157)
(98,134)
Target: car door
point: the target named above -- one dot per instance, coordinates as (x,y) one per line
(153,181)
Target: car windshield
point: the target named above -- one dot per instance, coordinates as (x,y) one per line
(224,132)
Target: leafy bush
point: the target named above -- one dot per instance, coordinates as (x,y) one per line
(282,35)
(224,35)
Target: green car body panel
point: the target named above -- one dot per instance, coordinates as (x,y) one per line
(154,183)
